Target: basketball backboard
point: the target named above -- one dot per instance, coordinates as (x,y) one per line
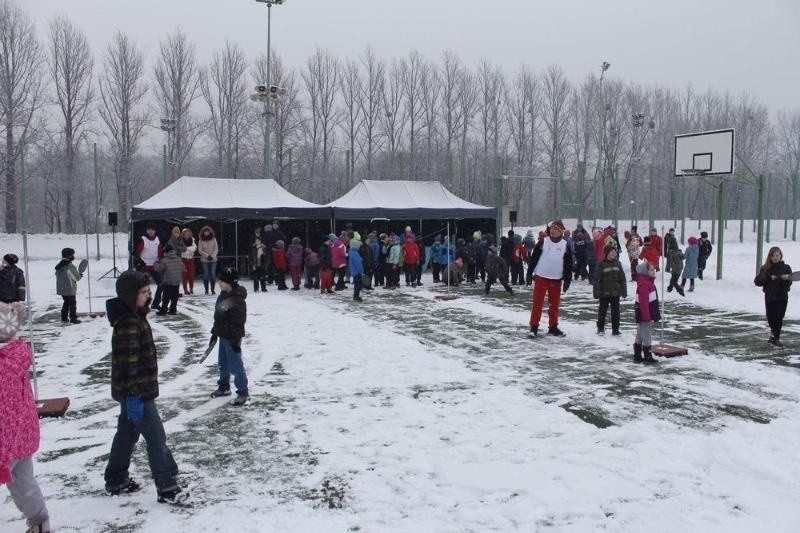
(708,153)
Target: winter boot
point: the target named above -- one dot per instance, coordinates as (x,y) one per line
(205,285)
(637,352)
(44,527)
(174,496)
(221,392)
(648,356)
(556,332)
(534,331)
(240,400)
(129,486)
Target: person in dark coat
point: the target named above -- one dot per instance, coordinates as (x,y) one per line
(675,264)
(705,250)
(230,315)
(496,270)
(171,269)
(67,277)
(134,384)
(775,279)
(325,267)
(670,242)
(609,286)
(12,280)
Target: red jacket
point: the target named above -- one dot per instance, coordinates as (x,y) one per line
(411,251)
(279,258)
(518,254)
(658,243)
(650,254)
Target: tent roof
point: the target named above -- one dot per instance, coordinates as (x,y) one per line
(192,198)
(405,200)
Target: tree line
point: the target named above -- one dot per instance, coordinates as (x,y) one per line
(89,131)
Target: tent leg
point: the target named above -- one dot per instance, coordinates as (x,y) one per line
(308,241)
(236,246)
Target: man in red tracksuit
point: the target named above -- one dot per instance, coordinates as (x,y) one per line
(551,262)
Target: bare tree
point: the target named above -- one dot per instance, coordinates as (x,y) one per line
(321,79)
(394,117)
(556,116)
(492,94)
(453,73)
(223,85)
(371,106)
(176,87)
(413,70)
(122,110)
(71,63)
(468,106)
(20,95)
(352,118)
(430,90)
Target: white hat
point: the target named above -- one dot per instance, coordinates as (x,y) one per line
(11,316)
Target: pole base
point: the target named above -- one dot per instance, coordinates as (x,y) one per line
(93,314)
(668,350)
(446,296)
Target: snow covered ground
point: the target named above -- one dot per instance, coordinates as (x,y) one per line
(407,413)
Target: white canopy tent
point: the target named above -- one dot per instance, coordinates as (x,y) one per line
(191,198)
(405,200)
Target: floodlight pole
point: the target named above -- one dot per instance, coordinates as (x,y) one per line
(268,117)
(581,178)
(769,217)
(760,219)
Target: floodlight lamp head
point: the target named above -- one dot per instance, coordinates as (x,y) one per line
(605,66)
(261,88)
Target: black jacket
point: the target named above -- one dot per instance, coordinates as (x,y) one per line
(12,284)
(325,256)
(609,280)
(230,314)
(775,290)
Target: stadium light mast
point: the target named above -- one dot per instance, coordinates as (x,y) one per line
(267,113)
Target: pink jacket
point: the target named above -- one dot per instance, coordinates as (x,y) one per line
(19,420)
(338,254)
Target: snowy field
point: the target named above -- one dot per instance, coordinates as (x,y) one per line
(406,413)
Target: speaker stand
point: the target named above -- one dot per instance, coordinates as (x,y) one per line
(114,272)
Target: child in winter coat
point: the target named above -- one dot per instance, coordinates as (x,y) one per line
(496,270)
(208,249)
(355,264)
(279,265)
(294,258)
(634,246)
(312,269)
(410,260)
(187,257)
(436,249)
(518,257)
(12,280)
(646,311)
(19,421)
(705,250)
(134,384)
(230,315)
(609,286)
(649,252)
(259,262)
(67,277)
(325,267)
(692,254)
(339,260)
(775,277)
(171,268)
(675,260)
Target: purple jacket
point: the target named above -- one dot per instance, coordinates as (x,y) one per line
(338,254)
(294,255)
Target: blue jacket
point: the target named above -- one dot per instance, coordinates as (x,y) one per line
(447,253)
(690,264)
(376,251)
(355,264)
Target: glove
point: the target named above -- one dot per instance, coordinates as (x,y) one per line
(134,408)
(213,340)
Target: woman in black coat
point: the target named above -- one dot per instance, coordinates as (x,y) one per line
(775,277)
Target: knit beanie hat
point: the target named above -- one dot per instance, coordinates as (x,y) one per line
(68,253)
(229,275)
(608,249)
(692,240)
(557,223)
(642,267)
(11,259)
(332,237)
(11,316)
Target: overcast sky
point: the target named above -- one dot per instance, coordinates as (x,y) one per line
(736,45)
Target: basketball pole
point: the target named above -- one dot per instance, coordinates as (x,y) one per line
(720,225)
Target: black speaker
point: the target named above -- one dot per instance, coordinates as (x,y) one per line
(512,216)
(112,218)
